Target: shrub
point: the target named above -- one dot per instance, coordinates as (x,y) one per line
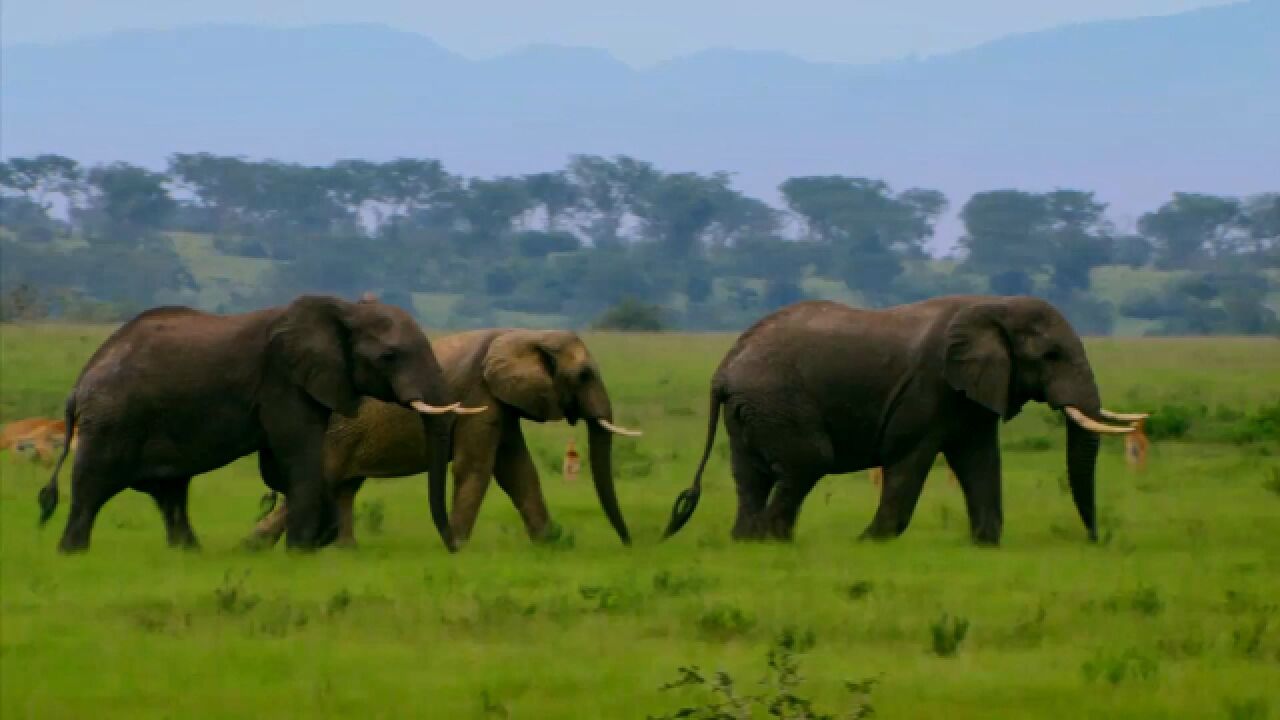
(631,315)
(724,622)
(948,634)
(1119,667)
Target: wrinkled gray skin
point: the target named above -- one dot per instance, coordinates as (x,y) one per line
(537,375)
(819,388)
(176,392)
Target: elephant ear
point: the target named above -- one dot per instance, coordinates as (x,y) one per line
(312,342)
(978,359)
(518,370)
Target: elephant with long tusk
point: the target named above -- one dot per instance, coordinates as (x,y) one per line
(819,388)
(506,376)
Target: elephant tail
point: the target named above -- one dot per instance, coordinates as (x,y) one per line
(48,496)
(687,501)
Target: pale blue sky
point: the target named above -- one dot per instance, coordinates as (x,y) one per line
(639,32)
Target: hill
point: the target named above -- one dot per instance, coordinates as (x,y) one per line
(1133,109)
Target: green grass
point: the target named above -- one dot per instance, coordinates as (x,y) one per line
(1174,615)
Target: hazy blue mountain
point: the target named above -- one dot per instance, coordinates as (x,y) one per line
(1134,109)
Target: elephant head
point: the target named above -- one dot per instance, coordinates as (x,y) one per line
(548,376)
(1004,352)
(337,351)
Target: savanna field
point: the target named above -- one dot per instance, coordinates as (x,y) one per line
(1175,613)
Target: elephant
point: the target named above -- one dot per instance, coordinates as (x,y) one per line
(541,376)
(176,392)
(820,388)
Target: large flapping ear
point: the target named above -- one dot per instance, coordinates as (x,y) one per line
(518,370)
(312,342)
(978,359)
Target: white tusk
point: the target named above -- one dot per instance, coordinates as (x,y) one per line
(618,429)
(1092,425)
(426,409)
(1123,417)
(470,410)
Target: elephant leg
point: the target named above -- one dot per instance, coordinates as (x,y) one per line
(170,496)
(903,481)
(95,479)
(345,495)
(312,519)
(518,477)
(784,506)
(474,452)
(271,527)
(754,481)
(976,463)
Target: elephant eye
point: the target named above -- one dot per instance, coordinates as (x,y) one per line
(388,356)
(1053,355)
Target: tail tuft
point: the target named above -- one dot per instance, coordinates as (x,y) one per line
(48,502)
(683,509)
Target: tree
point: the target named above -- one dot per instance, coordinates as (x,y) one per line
(607,190)
(554,193)
(489,208)
(1078,235)
(127,204)
(924,207)
(1005,238)
(1186,229)
(676,210)
(39,177)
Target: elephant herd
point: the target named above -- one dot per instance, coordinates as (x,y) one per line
(329,392)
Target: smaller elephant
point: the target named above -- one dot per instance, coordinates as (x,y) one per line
(543,376)
(176,392)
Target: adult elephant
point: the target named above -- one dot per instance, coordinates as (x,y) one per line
(820,388)
(176,392)
(542,376)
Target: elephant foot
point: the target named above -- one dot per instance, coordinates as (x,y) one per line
(258,543)
(346,543)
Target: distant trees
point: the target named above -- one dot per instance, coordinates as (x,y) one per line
(604,236)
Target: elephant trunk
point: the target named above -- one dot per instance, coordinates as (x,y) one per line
(601,454)
(1082,457)
(439,431)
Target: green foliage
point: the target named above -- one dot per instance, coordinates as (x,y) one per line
(631,315)
(780,694)
(1115,668)
(947,634)
(724,622)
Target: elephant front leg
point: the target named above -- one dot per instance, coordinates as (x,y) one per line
(518,477)
(899,493)
(976,462)
(475,447)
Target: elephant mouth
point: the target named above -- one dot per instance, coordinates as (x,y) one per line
(1078,416)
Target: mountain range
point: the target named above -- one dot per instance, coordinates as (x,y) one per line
(1133,109)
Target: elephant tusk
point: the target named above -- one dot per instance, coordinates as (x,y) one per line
(426,409)
(470,410)
(618,429)
(1123,417)
(1092,425)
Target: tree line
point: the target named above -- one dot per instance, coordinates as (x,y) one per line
(612,240)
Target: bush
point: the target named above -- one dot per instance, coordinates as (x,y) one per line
(631,315)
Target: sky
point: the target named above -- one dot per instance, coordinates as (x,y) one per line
(639,32)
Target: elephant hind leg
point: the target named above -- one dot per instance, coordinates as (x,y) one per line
(345,495)
(170,496)
(754,481)
(784,506)
(96,477)
(518,477)
(899,493)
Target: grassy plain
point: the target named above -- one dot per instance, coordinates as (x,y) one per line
(1173,615)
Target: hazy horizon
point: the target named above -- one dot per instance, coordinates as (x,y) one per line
(859,32)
